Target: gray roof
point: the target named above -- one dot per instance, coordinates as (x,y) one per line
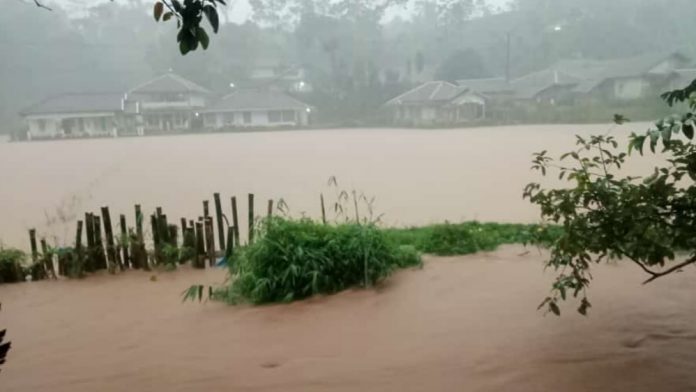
(430,92)
(169,83)
(487,85)
(682,77)
(255,99)
(532,84)
(77,103)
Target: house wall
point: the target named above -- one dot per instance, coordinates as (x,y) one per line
(72,124)
(252,118)
(630,88)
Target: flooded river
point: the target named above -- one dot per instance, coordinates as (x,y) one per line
(416,176)
(459,324)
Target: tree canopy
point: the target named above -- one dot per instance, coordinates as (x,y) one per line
(605,215)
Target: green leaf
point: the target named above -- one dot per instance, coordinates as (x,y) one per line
(620,119)
(202,37)
(167,16)
(183,46)
(157,12)
(688,130)
(212,15)
(654,137)
(554,308)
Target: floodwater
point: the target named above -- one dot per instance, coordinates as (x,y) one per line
(416,176)
(460,324)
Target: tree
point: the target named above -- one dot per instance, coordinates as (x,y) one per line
(607,216)
(462,64)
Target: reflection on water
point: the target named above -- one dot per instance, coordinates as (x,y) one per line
(417,176)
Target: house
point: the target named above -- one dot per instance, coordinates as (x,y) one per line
(79,115)
(169,103)
(256,108)
(630,78)
(294,78)
(437,103)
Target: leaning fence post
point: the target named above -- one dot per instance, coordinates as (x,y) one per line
(235,220)
(90,252)
(47,258)
(218,216)
(110,248)
(323,209)
(156,238)
(34,250)
(270,208)
(98,244)
(200,246)
(210,240)
(251,218)
(124,242)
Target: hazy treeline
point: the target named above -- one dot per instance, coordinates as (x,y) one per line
(357,52)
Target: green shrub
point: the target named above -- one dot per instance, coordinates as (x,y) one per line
(294,259)
(11,269)
(471,237)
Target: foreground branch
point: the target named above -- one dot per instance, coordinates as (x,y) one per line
(40,5)
(655,274)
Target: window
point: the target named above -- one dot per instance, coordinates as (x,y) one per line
(275,116)
(288,115)
(247,117)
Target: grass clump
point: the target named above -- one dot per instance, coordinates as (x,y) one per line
(470,237)
(11,265)
(295,259)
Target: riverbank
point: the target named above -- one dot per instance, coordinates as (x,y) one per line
(461,323)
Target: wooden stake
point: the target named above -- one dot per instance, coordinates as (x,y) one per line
(251,218)
(270,208)
(100,257)
(79,252)
(47,258)
(220,227)
(235,221)
(91,251)
(124,240)
(323,209)
(156,239)
(210,241)
(112,258)
(34,249)
(200,247)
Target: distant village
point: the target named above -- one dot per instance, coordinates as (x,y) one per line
(170,103)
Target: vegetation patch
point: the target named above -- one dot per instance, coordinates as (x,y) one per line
(470,237)
(294,259)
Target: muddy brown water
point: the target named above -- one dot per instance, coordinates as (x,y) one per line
(416,176)
(459,324)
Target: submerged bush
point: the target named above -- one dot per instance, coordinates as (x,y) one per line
(294,259)
(11,265)
(470,237)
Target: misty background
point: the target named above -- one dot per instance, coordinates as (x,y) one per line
(358,53)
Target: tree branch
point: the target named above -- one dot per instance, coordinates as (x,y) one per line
(669,271)
(40,5)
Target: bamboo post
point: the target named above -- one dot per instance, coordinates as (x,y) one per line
(156,238)
(183,229)
(200,246)
(79,252)
(47,258)
(251,219)
(34,249)
(206,211)
(210,241)
(141,255)
(235,220)
(112,259)
(90,251)
(163,227)
(218,215)
(124,241)
(230,243)
(270,208)
(136,260)
(323,209)
(98,243)
(173,235)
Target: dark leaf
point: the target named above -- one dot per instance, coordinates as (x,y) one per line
(688,130)
(202,37)
(554,308)
(157,12)
(212,15)
(167,16)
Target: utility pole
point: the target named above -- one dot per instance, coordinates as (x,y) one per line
(507,57)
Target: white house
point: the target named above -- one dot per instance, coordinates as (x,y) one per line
(169,103)
(78,115)
(437,103)
(256,108)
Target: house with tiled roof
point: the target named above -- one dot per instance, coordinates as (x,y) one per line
(437,103)
(79,115)
(257,107)
(169,103)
